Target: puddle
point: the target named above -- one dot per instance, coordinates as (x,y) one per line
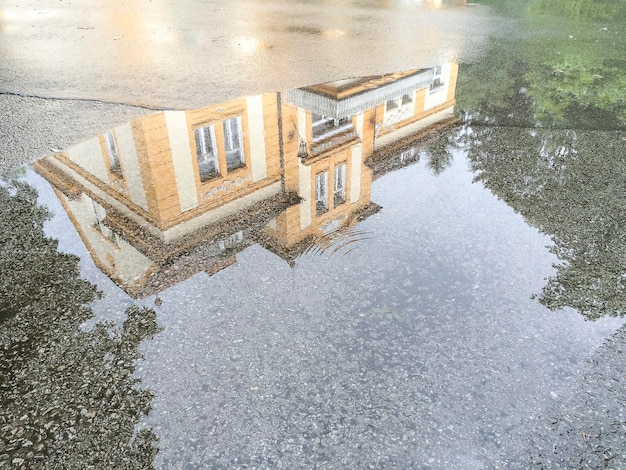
(181,192)
(407,270)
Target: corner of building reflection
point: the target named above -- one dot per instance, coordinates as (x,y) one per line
(166,196)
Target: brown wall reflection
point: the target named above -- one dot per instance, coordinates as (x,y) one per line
(163,197)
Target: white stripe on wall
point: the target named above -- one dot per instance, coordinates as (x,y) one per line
(182,159)
(301,124)
(130,164)
(441,95)
(88,155)
(305,193)
(304,174)
(355,173)
(256,137)
(359,125)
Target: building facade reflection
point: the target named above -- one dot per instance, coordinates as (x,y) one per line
(165,196)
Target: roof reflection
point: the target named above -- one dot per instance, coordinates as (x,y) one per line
(165,196)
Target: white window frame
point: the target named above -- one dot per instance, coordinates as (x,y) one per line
(115,165)
(99,227)
(323,127)
(340,185)
(392,104)
(206,152)
(321,193)
(437,83)
(233,143)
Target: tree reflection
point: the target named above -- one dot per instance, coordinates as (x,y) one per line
(565,71)
(565,184)
(439,155)
(578,10)
(581,9)
(68,396)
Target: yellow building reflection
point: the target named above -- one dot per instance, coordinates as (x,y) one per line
(163,197)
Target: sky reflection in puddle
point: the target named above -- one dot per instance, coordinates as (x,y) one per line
(333,284)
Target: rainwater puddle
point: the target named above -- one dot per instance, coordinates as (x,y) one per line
(353,274)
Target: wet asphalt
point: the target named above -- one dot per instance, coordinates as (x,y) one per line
(72,70)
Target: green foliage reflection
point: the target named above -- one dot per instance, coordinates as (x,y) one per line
(564,61)
(579,9)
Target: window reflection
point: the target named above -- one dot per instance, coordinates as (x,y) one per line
(232,143)
(114,159)
(321,193)
(208,164)
(340,185)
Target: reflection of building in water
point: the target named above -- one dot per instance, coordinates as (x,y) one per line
(146,193)
(165,196)
(330,131)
